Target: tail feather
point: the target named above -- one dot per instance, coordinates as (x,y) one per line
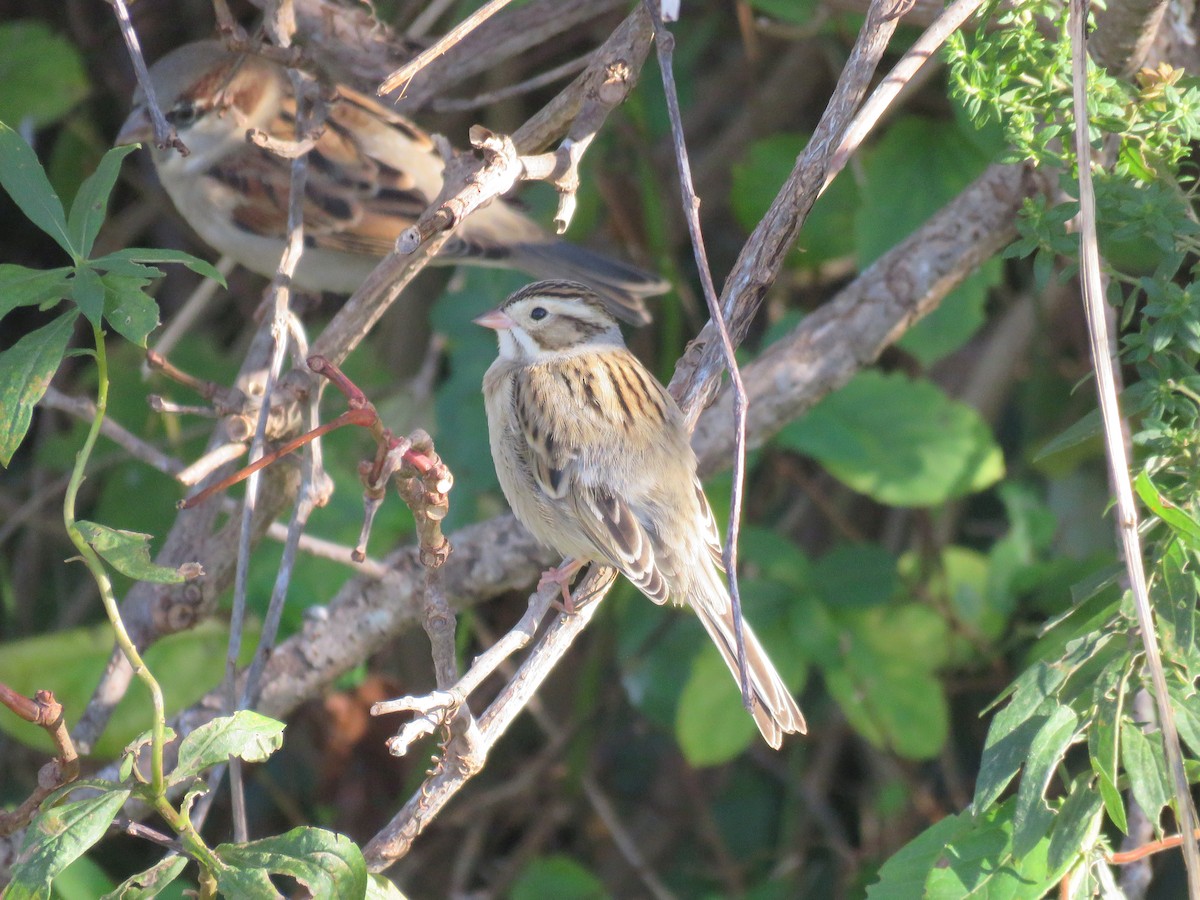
(775,710)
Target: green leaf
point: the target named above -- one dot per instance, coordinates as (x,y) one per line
(1173,596)
(827,232)
(128,552)
(127,308)
(961,857)
(42,74)
(855,575)
(154,256)
(1076,825)
(58,836)
(903,876)
(1143,757)
(328,864)
(980,862)
(149,883)
(91,202)
(246,734)
(559,877)
(901,441)
(23,177)
(25,372)
(711,724)
(187,664)
(1003,756)
(884,677)
(1104,745)
(1032,817)
(87,290)
(1178,520)
(380,888)
(20,286)
(939,157)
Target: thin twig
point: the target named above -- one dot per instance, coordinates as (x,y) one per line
(164,132)
(491,98)
(1118,462)
(405,73)
(665,46)
(763,254)
(917,56)
(85,410)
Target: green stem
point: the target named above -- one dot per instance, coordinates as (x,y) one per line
(96,567)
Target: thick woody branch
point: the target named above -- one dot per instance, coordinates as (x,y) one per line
(580,110)
(762,256)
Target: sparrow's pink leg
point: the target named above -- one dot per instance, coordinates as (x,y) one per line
(561,576)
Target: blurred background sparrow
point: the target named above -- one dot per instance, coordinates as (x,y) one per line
(371,174)
(593,456)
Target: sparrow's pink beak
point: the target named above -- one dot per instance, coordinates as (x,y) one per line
(136,130)
(497,320)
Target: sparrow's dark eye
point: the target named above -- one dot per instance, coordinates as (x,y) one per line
(182,113)
(538,313)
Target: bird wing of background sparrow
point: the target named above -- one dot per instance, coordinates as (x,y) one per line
(353,203)
(371,173)
(598,441)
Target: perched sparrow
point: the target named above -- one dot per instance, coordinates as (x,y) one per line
(370,175)
(593,456)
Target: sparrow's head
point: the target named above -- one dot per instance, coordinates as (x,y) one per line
(552,318)
(211,95)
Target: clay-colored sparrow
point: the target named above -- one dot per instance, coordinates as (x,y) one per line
(593,456)
(370,175)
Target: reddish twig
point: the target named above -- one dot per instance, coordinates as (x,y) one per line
(46,712)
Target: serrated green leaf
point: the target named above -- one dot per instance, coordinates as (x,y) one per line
(57,836)
(128,552)
(127,308)
(246,734)
(42,74)
(1075,826)
(899,440)
(328,864)
(20,286)
(1104,746)
(980,863)
(557,876)
(903,876)
(22,176)
(1031,816)
(1003,756)
(87,290)
(1146,766)
(149,883)
(155,256)
(1173,597)
(25,372)
(91,202)
(1178,520)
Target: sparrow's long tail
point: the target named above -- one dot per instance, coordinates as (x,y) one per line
(775,710)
